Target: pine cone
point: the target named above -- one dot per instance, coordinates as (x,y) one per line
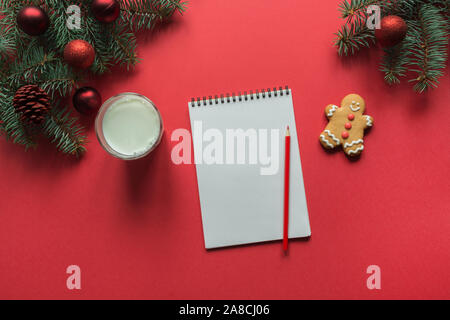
(32,102)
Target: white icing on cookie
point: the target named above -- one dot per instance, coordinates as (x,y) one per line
(368,121)
(322,137)
(332,110)
(356,150)
(332,136)
(355,109)
(353,143)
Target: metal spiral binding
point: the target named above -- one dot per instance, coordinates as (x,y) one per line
(233,98)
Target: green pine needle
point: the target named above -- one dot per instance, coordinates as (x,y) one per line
(396,59)
(11,125)
(352,37)
(145,14)
(429,48)
(63,130)
(356,8)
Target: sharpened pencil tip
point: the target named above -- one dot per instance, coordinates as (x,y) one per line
(288,132)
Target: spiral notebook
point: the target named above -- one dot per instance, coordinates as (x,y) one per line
(239,154)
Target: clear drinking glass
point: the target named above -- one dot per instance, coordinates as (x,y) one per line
(102,136)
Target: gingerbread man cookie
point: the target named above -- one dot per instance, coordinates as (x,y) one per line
(346,125)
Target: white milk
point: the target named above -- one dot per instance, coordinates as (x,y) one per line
(131,126)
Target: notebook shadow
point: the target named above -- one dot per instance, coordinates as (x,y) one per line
(257,244)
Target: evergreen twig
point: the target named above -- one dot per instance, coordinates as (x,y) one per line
(396,59)
(424,50)
(356,9)
(10,124)
(64,130)
(429,48)
(145,14)
(352,37)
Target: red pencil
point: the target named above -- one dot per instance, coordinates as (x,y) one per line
(286,188)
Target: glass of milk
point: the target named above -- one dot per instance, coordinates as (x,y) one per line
(129,126)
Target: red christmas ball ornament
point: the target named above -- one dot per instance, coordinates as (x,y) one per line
(106,11)
(392,32)
(87,100)
(33,20)
(79,54)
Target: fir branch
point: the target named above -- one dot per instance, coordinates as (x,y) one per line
(99,36)
(61,128)
(145,14)
(396,59)
(429,47)
(351,37)
(91,31)
(393,65)
(44,69)
(124,50)
(58,87)
(7,45)
(11,125)
(424,49)
(409,9)
(39,60)
(8,11)
(356,9)
(58,34)
(14,5)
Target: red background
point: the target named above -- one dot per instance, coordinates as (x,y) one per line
(135,228)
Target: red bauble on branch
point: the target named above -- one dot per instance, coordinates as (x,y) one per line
(106,11)
(33,20)
(87,100)
(79,54)
(392,32)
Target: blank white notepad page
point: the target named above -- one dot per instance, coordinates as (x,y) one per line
(239,205)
